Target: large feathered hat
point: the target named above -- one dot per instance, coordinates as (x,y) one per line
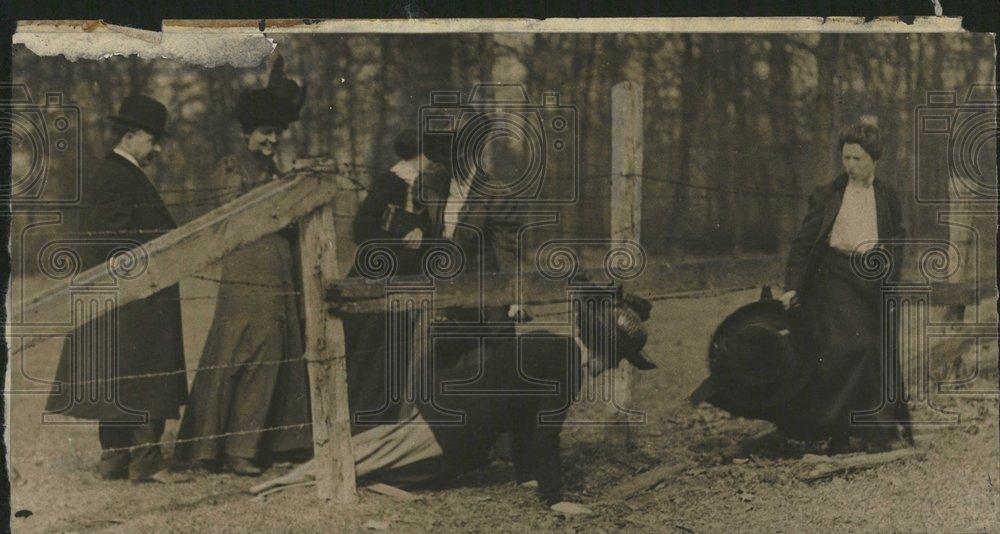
(756,362)
(279,104)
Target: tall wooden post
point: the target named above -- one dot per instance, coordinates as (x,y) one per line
(626,215)
(325,353)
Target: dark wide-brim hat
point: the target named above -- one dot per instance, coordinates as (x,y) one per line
(755,362)
(264,107)
(630,336)
(279,104)
(141,111)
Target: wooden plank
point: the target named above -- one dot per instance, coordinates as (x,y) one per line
(626,219)
(325,352)
(191,247)
(646,480)
(835,466)
(356,295)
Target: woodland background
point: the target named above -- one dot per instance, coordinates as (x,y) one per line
(738,128)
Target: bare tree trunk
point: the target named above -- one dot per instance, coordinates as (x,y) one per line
(783,175)
(680,220)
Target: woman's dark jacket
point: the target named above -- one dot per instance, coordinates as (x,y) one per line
(813,238)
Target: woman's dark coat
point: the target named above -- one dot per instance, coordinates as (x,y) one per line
(813,238)
(368,368)
(240,387)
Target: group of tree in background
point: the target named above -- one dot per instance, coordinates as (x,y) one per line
(737,127)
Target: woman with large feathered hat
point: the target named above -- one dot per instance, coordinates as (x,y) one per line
(252,375)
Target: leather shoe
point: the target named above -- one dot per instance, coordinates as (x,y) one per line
(240,466)
(164,476)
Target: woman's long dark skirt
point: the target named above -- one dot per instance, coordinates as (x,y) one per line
(845,397)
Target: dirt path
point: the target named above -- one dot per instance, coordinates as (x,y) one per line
(739,484)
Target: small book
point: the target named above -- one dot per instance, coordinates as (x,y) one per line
(398,222)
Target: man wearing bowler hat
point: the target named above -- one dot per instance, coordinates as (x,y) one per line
(132,380)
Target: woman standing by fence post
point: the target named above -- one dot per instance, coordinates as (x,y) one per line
(253,377)
(857,213)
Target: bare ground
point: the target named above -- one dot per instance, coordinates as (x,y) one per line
(741,482)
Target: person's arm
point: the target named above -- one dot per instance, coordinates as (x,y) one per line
(368,220)
(805,239)
(106,216)
(898,233)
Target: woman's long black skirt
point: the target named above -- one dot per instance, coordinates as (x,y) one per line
(850,392)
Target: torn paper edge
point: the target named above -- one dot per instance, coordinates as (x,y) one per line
(241,43)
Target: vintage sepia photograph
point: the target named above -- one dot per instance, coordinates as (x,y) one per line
(656,275)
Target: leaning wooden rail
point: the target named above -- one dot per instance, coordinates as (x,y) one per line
(191,247)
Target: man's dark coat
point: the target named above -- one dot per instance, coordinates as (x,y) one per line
(121,207)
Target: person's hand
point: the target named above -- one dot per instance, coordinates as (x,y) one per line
(413,238)
(519,314)
(789,299)
(570,508)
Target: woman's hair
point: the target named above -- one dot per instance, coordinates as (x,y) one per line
(405,144)
(864,134)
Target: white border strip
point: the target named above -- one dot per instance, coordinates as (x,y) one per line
(608,25)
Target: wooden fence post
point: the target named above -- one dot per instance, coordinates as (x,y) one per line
(325,353)
(626,215)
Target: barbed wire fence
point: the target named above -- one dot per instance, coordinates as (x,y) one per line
(359,176)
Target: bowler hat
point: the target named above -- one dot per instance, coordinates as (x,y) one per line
(755,362)
(143,112)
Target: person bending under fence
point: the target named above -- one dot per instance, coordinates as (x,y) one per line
(527,393)
(250,397)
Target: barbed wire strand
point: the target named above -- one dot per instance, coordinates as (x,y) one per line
(675,295)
